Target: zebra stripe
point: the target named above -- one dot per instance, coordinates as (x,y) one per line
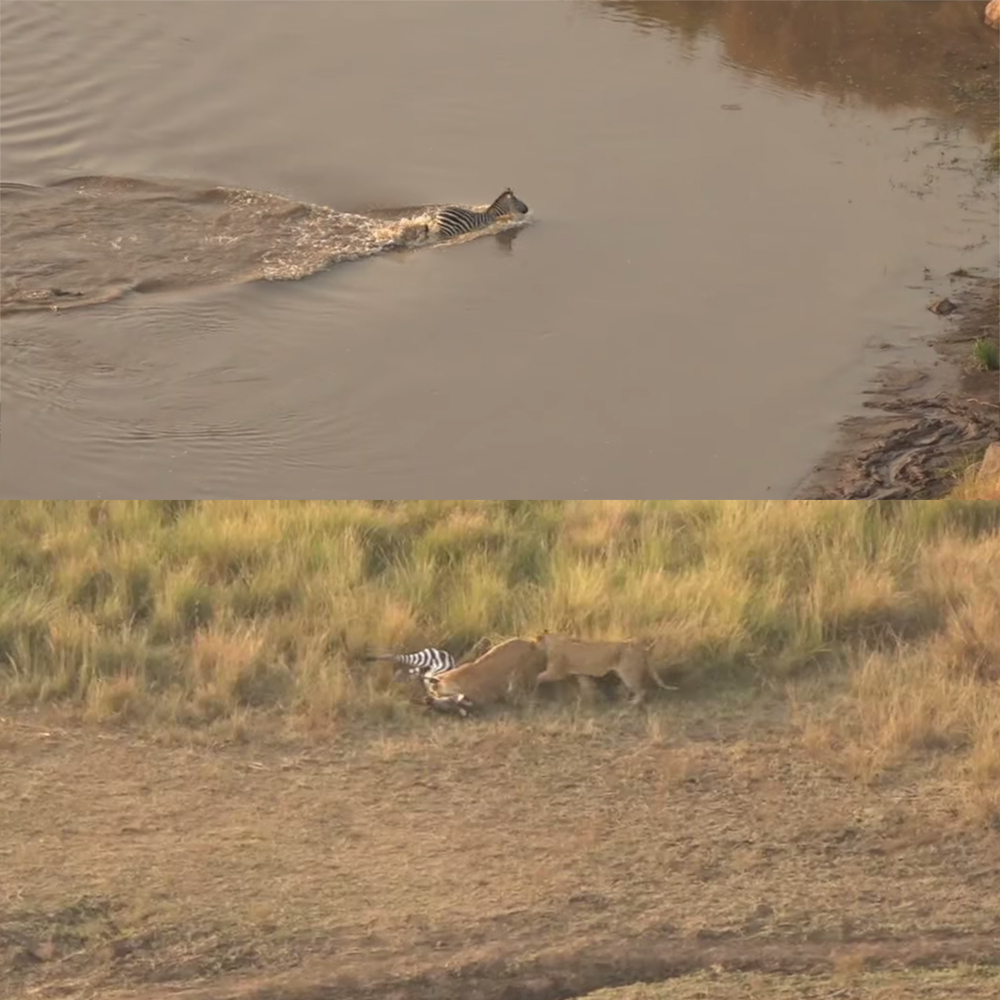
(454,221)
(426,663)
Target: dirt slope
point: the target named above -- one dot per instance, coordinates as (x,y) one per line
(532,858)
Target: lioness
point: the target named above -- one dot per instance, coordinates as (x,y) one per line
(585,660)
(512,666)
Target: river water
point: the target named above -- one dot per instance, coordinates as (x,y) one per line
(739,210)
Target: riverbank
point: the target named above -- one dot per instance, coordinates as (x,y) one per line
(927,426)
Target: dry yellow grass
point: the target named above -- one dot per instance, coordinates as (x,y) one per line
(209,614)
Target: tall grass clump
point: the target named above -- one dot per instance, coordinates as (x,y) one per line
(938,692)
(986,354)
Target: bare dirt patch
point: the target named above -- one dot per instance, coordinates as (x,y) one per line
(534,854)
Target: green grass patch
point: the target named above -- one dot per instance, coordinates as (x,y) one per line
(986,354)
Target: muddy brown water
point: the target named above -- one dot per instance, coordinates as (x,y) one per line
(740,210)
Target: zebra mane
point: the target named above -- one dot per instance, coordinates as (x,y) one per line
(507,192)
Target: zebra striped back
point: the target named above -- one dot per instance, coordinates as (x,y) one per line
(455,221)
(426,663)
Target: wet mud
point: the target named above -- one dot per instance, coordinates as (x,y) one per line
(917,438)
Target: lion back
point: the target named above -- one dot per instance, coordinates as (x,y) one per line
(515,663)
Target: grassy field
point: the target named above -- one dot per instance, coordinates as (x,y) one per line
(210,613)
(204,790)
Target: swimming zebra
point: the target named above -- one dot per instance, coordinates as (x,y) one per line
(427,663)
(455,221)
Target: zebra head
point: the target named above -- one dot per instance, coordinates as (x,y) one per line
(508,204)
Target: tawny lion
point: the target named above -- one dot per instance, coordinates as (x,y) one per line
(511,667)
(585,660)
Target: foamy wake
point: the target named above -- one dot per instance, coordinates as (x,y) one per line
(91,239)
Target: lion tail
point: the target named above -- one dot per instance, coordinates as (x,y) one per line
(649,645)
(656,677)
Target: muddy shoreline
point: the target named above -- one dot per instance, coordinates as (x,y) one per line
(917,438)
(925,426)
